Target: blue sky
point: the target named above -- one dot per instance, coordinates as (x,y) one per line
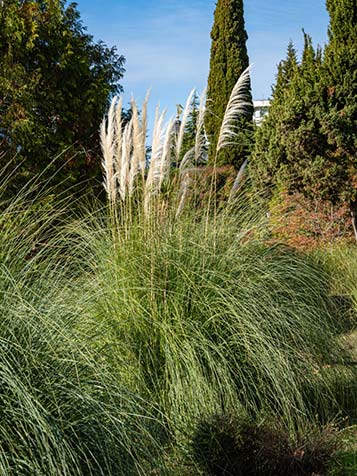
(167,42)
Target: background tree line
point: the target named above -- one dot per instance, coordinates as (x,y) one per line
(55,84)
(308,142)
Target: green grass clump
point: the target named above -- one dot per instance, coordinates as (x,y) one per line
(339,381)
(345,461)
(340,262)
(199,316)
(118,336)
(62,411)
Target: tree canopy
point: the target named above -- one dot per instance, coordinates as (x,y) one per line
(55,82)
(270,152)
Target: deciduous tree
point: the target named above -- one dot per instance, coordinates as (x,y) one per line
(55,82)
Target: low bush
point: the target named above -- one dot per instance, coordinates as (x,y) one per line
(309,223)
(228,445)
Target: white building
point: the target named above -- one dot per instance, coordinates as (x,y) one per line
(261,108)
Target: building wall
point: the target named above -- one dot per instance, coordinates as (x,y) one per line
(261,109)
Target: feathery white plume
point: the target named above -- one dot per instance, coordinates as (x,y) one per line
(123,171)
(156,152)
(107,138)
(143,133)
(200,139)
(166,153)
(238,105)
(135,158)
(238,179)
(182,129)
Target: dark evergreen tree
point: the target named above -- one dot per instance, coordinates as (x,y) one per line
(321,129)
(229,58)
(308,144)
(291,149)
(55,82)
(340,81)
(270,152)
(303,140)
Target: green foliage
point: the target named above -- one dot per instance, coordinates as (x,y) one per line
(229,58)
(341,264)
(345,463)
(308,143)
(228,445)
(340,81)
(62,410)
(269,152)
(291,149)
(54,86)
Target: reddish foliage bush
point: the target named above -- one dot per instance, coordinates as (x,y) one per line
(304,223)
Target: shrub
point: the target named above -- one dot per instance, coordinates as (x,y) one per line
(228,445)
(308,224)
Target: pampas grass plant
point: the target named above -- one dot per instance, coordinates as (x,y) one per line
(201,319)
(213,316)
(62,409)
(202,315)
(123,329)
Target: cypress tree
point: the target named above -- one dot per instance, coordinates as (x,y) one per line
(229,58)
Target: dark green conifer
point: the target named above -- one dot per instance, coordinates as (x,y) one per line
(303,139)
(340,122)
(309,141)
(229,58)
(269,151)
(290,146)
